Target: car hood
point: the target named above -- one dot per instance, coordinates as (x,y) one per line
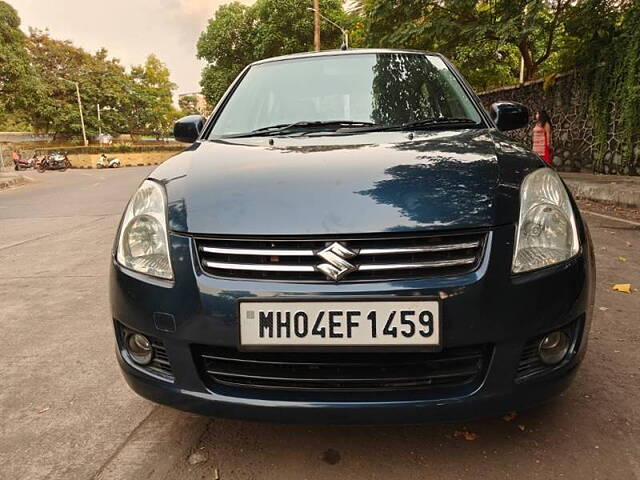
(375,182)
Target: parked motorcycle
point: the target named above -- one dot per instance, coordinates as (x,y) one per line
(104,162)
(23,163)
(54,161)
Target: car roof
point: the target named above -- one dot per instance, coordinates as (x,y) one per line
(354,51)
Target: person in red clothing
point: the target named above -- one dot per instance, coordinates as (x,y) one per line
(542,137)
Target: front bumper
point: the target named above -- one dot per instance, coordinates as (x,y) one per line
(487,306)
(485,403)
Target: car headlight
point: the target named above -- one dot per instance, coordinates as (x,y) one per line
(546,232)
(143,245)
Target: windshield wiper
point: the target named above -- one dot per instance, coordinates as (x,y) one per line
(426,123)
(301,125)
(438,121)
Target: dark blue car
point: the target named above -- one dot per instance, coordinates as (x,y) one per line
(351,238)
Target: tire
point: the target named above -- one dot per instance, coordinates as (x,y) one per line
(99,165)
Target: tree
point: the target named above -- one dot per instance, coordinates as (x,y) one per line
(16,75)
(189,105)
(472,31)
(37,86)
(227,45)
(151,98)
(137,103)
(238,35)
(54,109)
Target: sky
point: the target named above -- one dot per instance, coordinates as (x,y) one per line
(129,29)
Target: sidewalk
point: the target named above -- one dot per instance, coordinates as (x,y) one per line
(612,189)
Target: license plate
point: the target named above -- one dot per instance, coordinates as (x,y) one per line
(337,323)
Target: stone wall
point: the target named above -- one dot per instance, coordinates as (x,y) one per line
(567,103)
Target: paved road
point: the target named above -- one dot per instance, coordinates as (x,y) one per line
(64,408)
(65,412)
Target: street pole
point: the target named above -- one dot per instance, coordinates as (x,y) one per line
(316,24)
(84,132)
(345,34)
(99,121)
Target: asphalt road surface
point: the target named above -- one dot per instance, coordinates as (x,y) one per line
(66,413)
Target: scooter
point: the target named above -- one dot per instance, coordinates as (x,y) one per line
(104,162)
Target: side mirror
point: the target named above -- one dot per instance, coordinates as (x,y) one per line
(509,115)
(188,129)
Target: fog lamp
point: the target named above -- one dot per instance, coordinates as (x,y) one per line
(553,347)
(139,348)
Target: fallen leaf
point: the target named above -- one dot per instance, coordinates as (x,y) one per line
(197,457)
(622,287)
(509,416)
(622,259)
(628,244)
(43,410)
(469,436)
(521,427)
(603,309)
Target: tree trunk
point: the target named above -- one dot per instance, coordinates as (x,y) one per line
(530,67)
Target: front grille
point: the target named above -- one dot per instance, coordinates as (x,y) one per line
(530,363)
(363,258)
(160,364)
(342,371)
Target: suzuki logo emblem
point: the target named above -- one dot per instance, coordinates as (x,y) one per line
(336,266)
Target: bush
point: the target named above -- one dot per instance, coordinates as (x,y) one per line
(120,148)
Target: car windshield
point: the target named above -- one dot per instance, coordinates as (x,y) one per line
(332,92)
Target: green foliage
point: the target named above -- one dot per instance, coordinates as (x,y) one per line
(16,75)
(240,34)
(484,38)
(37,89)
(53,107)
(614,83)
(139,102)
(150,99)
(189,105)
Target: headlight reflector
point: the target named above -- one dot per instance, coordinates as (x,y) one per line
(143,245)
(546,232)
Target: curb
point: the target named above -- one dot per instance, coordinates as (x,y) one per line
(90,167)
(609,193)
(14,181)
